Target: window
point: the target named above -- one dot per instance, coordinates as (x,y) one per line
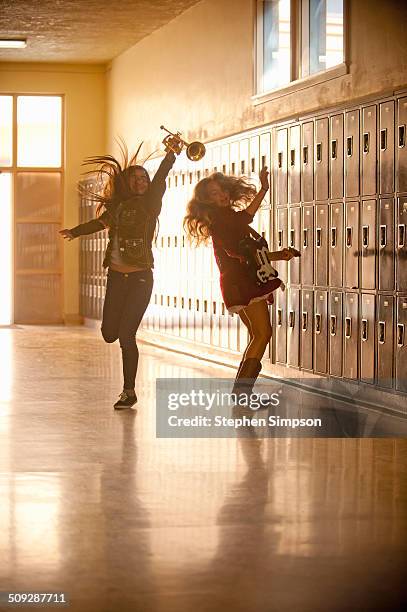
(284,56)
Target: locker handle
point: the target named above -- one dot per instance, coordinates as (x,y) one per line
(305,237)
(400,334)
(348,327)
(366,142)
(305,154)
(319,152)
(365,236)
(317,323)
(280,159)
(334,149)
(402,136)
(291,319)
(333,237)
(383,236)
(333,325)
(280,238)
(292,157)
(319,237)
(304,321)
(279,317)
(383,139)
(382,332)
(292,237)
(402,236)
(364,330)
(349,236)
(349,146)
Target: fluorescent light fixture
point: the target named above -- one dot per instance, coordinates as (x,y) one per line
(13,44)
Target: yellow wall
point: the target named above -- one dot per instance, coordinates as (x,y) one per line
(85,120)
(196,73)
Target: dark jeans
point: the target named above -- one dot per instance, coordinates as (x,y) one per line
(126,300)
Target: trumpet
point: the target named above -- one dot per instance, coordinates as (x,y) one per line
(173,142)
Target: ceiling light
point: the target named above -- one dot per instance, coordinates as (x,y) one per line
(13,44)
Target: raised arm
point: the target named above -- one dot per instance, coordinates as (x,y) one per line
(158,183)
(259,197)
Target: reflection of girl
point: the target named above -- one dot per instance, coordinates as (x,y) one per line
(131,205)
(212,213)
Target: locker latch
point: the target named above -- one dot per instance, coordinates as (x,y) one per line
(305,154)
(317,323)
(292,237)
(400,334)
(333,325)
(292,157)
(402,236)
(319,152)
(366,142)
(348,327)
(291,319)
(383,139)
(382,332)
(304,321)
(305,237)
(383,236)
(280,159)
(349,233)
(349,146)
(280,238)
(365,236)
(279,317)
(364,330)
(334,149)
(402,136)
(318,237)
(333,237)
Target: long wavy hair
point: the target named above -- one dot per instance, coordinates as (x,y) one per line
(200,212)
(113,175)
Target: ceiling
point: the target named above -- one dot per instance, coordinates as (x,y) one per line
(81,31)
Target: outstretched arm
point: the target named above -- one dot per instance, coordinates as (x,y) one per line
(84,229)
(259,197)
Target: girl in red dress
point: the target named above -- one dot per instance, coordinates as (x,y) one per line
(213,212)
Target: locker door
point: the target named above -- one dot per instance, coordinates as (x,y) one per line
(385,341)
(234,159)
(401,345)
(352,245)
(401,245)
(367,338)
(293,327)
(350,333)
(401,168)
(321,159)
(336,157)
(307,311)
(320,332)
(386,245)
(294,241)
(321,245)
(294,165)
(335,333)
(307,250)
(265,160)
(307,162)
(368,244)
(352,153)
(281,326)
(369,148)
(281,241)
(386,147)
(281,166)
(264,224)
(335,244)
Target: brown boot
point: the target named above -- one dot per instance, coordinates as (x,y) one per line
(246,376)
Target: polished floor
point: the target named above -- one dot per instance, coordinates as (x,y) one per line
(94,506)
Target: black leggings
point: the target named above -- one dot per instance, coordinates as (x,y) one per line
(127,298)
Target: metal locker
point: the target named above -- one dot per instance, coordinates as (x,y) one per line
(281,241)
(294,241)
(294,165)
(293,327)
(386,245)
(320,332)
(264,225)
(352,153)
(401,345)
(244,166)
(307,316)
(265,160)
(335,333)
(386,147)
(350,336)
(281,326)
(367,338)
(321,245)
(401,167)
(401,245)
(307,162)
(281,168)
(369,150)
(351,241)
(254,165)
(307,246)
(321,159)
(335,245)
(234,168)
(336,157)
(384,333)
(368,245)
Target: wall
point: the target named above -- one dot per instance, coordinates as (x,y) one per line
(84,91)
(195,74)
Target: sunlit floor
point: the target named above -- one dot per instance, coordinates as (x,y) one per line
(94,506)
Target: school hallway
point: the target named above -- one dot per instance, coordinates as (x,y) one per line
(94,506)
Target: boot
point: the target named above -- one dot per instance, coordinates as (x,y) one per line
(246,376)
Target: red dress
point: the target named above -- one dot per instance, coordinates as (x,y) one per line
(238,287)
